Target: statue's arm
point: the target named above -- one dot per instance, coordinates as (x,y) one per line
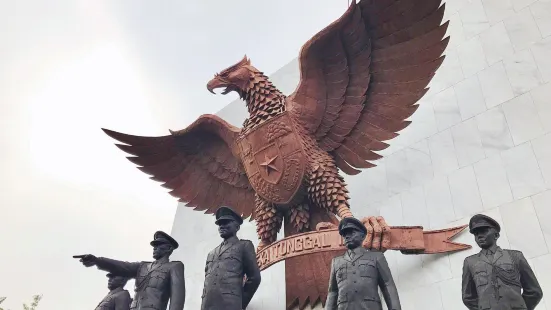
(117,267)
(386,283)
(177,287)
(468,288)
(333,291)
(531,289)
(122,302)
(252,271)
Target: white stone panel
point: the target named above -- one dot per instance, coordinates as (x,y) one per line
(446,110)
(468,145)
(523,171)
(414,207)
(474,18)
(541,10)
(522,227)
(451,300)
(465,193)
(439,202)
(495,85)
(541,51)
(469,97)
(523,119)
(442,152)
(540,96)
(522,72)
(419,162)
(397,172)
(518,5)
(542,205)
(494,132)
(496,43)
(391,210)
(498,10)
(492,182)
(542,150)
(522,29)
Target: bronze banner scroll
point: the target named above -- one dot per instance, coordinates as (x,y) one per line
(408,239)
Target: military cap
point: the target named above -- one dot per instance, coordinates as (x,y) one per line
(481,220)
(351,223)
(110,275)
(226,213)
(160,237)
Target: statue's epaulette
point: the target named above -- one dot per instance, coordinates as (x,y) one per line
(471,255)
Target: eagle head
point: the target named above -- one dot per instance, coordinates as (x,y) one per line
(235,78)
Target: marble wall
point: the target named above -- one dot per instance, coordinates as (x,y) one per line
(480,142)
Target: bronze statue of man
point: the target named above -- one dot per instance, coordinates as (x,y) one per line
(118,298)
(156,282)
(496,278)
(227,264)
(357,274)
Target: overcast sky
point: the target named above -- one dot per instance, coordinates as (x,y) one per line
(68,68)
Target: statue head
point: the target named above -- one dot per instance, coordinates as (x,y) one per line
(163,245)
(485,230)
(235,78)
(352,231)
(228,222)
(115,282)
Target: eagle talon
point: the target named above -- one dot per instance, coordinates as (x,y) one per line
(378,234)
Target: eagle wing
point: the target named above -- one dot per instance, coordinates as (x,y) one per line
(199,164)
(362,75)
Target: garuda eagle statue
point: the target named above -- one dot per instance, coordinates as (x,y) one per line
(360,80)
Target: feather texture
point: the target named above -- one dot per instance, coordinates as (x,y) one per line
(198,164)
(376,62)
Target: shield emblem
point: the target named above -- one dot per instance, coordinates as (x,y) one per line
(274,160)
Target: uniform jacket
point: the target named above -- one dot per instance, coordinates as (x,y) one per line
(354,282)
(117,299)
(226,265)
(495,281)
(156,282)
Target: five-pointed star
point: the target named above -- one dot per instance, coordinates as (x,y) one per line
(269,163)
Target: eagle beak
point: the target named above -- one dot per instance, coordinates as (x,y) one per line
(216,82)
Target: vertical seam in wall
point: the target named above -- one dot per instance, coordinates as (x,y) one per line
(531,196)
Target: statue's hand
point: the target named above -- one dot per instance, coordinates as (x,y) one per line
(87,260)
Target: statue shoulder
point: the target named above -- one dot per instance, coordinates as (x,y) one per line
(122,293)
(245,242)
(176,263)
(514,253)
(470,258)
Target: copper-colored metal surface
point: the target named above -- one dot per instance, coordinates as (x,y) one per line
(409,239)
(361,78)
